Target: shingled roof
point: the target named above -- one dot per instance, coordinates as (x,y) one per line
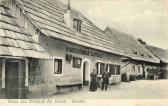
(14,40)
(131,47)
(160,53)
(48,15)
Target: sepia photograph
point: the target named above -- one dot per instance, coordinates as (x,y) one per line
(60,50)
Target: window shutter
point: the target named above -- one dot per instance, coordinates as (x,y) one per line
(97,67)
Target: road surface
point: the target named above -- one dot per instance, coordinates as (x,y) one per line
(141,89)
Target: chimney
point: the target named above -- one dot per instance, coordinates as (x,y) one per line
(68,16)
(107,30)
(69,4)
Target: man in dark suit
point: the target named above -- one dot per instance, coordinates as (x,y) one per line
(105,77)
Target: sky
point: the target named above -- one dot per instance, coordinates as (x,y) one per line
(145,19)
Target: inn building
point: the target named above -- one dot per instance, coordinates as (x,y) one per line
(71,46)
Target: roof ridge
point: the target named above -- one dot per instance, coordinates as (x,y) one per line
(26,15)
(118,31)
(156,47)
(140,49)
(87,22)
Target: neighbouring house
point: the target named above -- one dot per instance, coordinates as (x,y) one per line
(74,43)
(140,58)
(163,56)
(19,54)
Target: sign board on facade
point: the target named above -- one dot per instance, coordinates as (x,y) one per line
(83,51)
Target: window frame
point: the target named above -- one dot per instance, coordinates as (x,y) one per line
(107,67)
(133,69)
(77,25)
(104,68)
(54,66)
(74,66)
(118,66)
(114,66)
(139,69)
(98,65)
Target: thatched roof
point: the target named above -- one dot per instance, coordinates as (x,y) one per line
(15,40)
(48,15)
(132,47)
(160,53)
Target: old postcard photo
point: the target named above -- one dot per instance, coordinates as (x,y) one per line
(73,51)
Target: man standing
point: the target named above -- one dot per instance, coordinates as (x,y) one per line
(105,77)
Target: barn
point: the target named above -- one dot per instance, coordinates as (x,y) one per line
(17,51)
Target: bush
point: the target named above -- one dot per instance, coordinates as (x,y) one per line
(132,77)
(139,76)
(124,77)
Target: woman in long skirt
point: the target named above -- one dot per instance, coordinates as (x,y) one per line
(93,83)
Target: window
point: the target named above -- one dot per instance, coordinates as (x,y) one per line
(142,55)
(112,69)
(118,70)
(37,31)
(100,68)
(139,69)
(107,67)
(133,68)
(57,66)
(149,56)
(135,52)
(77,62)
(77,24)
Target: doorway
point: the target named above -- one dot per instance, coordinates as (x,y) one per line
(143,74)
(85,74)
(14,80)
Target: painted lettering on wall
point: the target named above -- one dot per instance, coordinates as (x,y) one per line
(83,52)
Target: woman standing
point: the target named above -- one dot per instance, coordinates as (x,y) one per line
(93,83)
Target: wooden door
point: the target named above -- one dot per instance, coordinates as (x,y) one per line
(84,73)
(14,81)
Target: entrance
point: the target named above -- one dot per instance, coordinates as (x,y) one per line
(14,80)
(144,72)
(85,74)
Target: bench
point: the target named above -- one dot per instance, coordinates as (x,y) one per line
(59,86)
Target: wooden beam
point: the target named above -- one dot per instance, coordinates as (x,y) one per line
(108,68)
(125,65)
(10,57)
(27,74)
(3,73)
(98,68)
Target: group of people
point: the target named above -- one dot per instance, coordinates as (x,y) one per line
(99,82)
(153,74)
